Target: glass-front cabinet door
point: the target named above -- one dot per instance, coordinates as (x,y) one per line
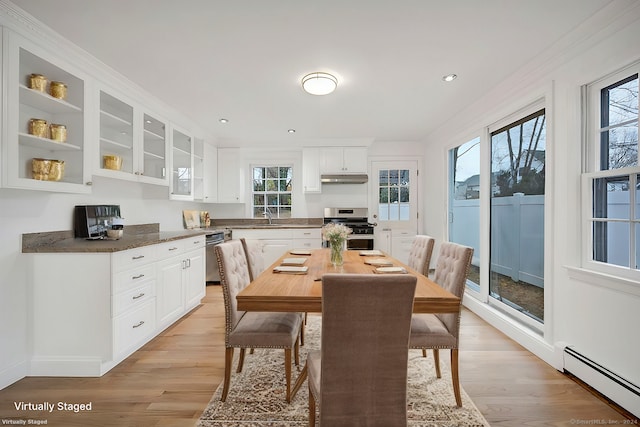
(181,185)
(154,150)
(116,136)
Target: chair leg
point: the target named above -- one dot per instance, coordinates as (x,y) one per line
(312,409)
(241,360)
(424,352)
(296,347)
(228,358)
(436,361)
(287,371)
(302,332)
(455,379)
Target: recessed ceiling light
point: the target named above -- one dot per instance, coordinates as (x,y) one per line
(223,121)
(291,130)
(449,77)
(319,83)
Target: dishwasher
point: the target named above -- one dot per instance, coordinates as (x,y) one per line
(213,239)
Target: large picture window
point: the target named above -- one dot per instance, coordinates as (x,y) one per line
(271,191)
(518,165)
(611,181)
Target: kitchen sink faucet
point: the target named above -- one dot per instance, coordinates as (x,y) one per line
(268,214)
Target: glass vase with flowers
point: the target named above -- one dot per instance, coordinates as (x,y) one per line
(336,235)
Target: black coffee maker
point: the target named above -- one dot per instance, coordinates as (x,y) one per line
(93,221)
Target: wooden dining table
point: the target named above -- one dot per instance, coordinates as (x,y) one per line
(302,292)
(282,291)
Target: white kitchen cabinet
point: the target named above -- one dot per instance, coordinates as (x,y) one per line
(306,238)
(21,58)
(181,278)
(230,176)
(311,170)
(340,160)
(137,137)
(210,174)
(273,243)
(92,310)
(198,169)
(182,160)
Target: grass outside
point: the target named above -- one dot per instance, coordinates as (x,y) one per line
(521,295)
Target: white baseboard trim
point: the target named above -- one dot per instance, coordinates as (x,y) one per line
(13,374)
(526,337)
(66,367)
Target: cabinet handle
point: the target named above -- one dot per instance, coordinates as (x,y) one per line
(137,257)
(139,276)
(139,295)
(173,248)
(189,263)
(196,242)
(140,323)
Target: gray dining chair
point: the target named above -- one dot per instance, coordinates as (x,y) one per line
(256,266)
(359,375)
(251,329)
(442,330)
(420,253)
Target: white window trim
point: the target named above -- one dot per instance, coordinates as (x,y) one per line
(606,275)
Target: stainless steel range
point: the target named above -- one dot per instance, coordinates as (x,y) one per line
(356,219)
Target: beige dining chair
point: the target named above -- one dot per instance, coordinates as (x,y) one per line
(359,375)
(420,253)
(254,258)
(251,329)
(256,266)
(442,330)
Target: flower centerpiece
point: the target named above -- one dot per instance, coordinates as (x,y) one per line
(336,235)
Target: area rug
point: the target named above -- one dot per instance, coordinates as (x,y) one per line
(256,395)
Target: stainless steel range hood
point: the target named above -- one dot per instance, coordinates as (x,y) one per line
(344,179)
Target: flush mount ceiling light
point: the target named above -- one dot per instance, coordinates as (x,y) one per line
(449,77)
(319,83)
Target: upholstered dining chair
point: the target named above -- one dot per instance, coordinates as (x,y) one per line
(254,258)
(251,329)
(441,331)
(359,375)
(256,266)
(420,253)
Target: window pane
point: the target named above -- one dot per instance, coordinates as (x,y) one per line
(258,199)
(284,212)
(518,157)
(272,187)
(272,199)
(614,242)
(622,143)
(611,198)
(464,203)
(272,172)
(622,102)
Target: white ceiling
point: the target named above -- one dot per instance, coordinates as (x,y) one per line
(243,59)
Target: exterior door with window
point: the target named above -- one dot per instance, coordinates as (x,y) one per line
(394,207)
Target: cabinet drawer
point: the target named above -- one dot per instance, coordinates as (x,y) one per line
(133,328)
(132,298)
(133,278)
(170,249)
(126,259)
(307,233)
(307,244)
(196,242)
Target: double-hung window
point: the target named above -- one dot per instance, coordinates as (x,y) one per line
(611,184)
(271,191)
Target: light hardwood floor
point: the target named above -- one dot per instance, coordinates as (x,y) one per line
(171,379)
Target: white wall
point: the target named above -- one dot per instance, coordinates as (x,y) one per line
(599,321)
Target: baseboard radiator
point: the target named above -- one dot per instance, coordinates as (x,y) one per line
(621,391)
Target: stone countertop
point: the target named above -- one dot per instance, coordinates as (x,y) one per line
(251,223)
(64,241)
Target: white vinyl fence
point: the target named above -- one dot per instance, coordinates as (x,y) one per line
(517,238)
